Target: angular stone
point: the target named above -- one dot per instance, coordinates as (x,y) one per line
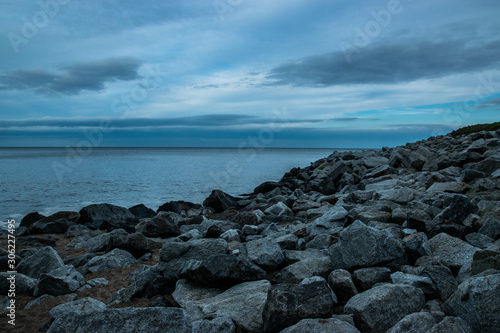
(141,212)
(84,305)
(336,213)
(61,281)
(56,227)
(106,216)
(450,187)
(110,260)
(365,278)
(265,252)
(362,246)
(378,309)
(418,322)
(220,201)
(491,228)
(402,195)
(217,325)
(477,301)
(287,304)
(453,251)
(24,285)
(417,245)
(305,268)
(451,324)
(342,284)
(42,261)
(154,320)
(178,206)
(422,282)
(485,260)
(279,209)
(162,225)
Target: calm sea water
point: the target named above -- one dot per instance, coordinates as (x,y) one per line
(48,180)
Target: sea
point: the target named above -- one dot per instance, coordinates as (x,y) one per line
(47,180)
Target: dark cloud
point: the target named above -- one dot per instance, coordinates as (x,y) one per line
(406,60)
(492,102)
(72,79)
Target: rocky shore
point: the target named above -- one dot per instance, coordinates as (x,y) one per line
(403,239)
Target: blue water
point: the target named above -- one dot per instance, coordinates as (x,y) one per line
(48,180)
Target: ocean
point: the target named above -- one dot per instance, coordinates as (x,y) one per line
(47,180)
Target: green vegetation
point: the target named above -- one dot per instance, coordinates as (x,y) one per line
(476,128)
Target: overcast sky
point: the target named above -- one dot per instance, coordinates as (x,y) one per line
(274,73)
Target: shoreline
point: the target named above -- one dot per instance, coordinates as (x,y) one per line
(372,239)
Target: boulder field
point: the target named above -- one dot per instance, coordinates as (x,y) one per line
(403,239)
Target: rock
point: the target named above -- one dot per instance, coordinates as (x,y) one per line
(57,227)
(479,240)
(336,213)
(400,195)
(287,242)
(217,325)
(451,324)
(361,246)
(365,278)
(160,226)
(29,219)
(110,260)
(417,245)
(141,212)
(44,299)
(265,252)
(304,204)
(342,284)
(477,301)
(135,243)
(450,187)
(305,268)
(106,216)
(378,309)
(60,281)
(154,320)
(321,241)
(374,215)
(222,270)
(418,322)
(330,325)
(178,206)
(460,207)
(287,304)
(84,305)
(491,228)
(440,275)
(232,235)
(42,261)
(485,260)
(23,284)
(468,175)
(243,303)
(175,254)
(266,187)
(422,282)
(279,209)
(220,201)
(453,251)
(250,230)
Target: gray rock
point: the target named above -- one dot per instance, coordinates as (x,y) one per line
(250,230)
(378,309)
(422,282)
(222,270)
(279,209)
(55,227)
(321,241)
(87,304)
(44,299)
(477,300)
(110,260)
(374,215)
(162,225)
(360,245)
(401,195)
(459,208)
(142,212)
(450,187)
(287,242)
(365,278)
(106,216)
(134,243)
(42,261)
(485,260)
(479,240)
(451,324)
(175,254)
(243,303)
(441,276)
(331,325)
(417,245)
(287,304)
(342,284)
(217,325)
(469,175)
(220,201)
(453,251)
(232,235)
(305,268)
(336,213)
(265,252)
(418,322)
(23,284)
(154,320)
(60,281)
(491,228)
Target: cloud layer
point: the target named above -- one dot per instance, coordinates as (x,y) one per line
(72,79)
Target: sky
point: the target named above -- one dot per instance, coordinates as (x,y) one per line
(245,73)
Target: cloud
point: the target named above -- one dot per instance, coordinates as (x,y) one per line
(404,61)
(72,79)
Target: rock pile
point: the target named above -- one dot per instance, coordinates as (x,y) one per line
(403,239)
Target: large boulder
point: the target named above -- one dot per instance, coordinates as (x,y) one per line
(84,305)
(154,320)
(60,281)
(459,208)
(342,284)
(477,300)
(360,246)
(31,218)
(141,212)
(43,260)
(106,216)
(331,325)
(265,252)
(220,201)
(287,304)
(378,309)
(453,251)
(365,278)
(221,270)
(55,227)
(135,243)
(162,225)
(418,322)
(178,206)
